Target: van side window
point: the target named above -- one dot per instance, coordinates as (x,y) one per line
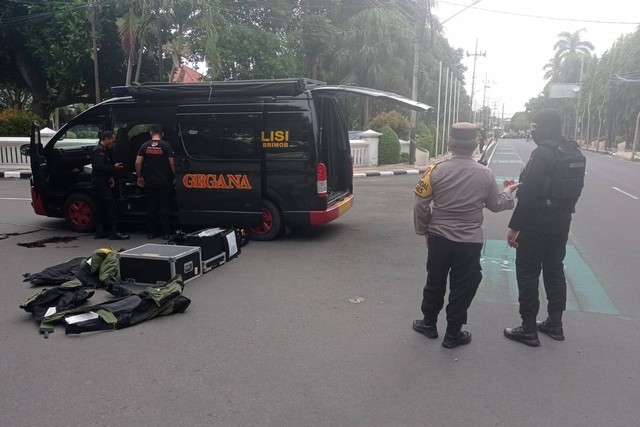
(221,136)
(80,135)
(287,135)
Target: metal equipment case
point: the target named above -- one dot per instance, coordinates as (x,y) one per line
(218,245)
(153,264)
(211,246)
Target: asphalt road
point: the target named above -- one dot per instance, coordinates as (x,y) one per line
(276,338)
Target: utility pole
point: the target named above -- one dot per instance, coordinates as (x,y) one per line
(419,36)
(93,17)
(487,84)
(438,111)
(475,55)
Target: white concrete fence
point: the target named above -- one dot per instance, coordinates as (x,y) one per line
(364,150)
(10,152)
(10,155)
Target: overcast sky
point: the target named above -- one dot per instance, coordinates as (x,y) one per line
(517,47)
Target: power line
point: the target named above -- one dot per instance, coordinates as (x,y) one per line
(551,18)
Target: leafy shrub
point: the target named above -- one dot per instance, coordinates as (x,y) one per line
(404,157)
(389,147)
(16,122)
(396,121)
(424,137)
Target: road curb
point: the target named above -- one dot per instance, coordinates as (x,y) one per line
(15,174)
(389,173)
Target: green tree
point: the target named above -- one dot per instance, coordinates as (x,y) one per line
(53,61)
(570,52)
(256,43)
(424,137)
(396,121)
(521,121)
(372,51)
(388,147)
(14,122)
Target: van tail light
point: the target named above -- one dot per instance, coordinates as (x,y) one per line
(321,180)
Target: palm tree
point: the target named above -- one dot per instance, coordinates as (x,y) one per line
(369,54)
(568,60)
(128,34)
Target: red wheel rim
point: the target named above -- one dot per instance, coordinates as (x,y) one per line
(80,213)
(267,223)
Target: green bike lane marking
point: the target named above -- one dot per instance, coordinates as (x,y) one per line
(499,284)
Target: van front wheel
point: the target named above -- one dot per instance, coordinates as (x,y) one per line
(271,223)
(80,212)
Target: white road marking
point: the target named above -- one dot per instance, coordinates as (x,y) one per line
(625,193)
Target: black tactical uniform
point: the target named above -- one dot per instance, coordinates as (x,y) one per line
(102,175)
(543,224)
(158,184)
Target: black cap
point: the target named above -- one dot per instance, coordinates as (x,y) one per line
(464,131)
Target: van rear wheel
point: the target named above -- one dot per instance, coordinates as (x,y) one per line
(271,224)
(80,212)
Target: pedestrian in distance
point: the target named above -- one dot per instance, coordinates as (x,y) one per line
(482,140)
(551,184)
(103,174)
(448,210)
(155,168)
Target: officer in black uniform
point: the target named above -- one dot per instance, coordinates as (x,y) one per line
(102,181)
(155,167)
(539,229)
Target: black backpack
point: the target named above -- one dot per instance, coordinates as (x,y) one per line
(565,182)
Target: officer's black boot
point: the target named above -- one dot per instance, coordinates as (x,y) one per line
(429,330)
(453,340)
(115,235)
(526,334)
(552,326)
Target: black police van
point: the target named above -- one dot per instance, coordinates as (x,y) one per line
(265,155)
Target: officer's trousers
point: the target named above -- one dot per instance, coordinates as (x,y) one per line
(461,263)
(158,208)
(107,209)
(540,250)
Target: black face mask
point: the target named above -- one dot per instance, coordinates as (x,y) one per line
(536,136)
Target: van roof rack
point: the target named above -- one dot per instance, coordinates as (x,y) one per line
(214,89)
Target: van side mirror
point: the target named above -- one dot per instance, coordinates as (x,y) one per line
(25,149)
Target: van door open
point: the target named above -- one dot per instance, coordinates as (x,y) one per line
(218,174)
(38,171)
(357,90)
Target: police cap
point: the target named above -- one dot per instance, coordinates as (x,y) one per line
(464,131)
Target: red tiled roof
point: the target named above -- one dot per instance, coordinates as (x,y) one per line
(186,74)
